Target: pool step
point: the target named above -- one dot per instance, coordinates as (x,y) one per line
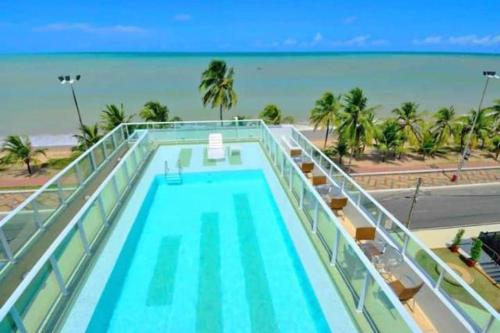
(173,178)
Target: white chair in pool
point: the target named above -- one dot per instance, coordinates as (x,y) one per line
(215,149)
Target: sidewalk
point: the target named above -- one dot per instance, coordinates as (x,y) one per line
(391,181)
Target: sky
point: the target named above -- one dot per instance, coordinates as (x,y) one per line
(33,26)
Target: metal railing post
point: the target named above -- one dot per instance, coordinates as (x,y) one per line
(17,320)
(79,176)
(489,325)
(301,196)
(335,247)
(92,160)
(100,204)
(36,215)
(316,216)
(58,275)
(439,280)
(6,246)
(362,295)
(83,237)
(60,193)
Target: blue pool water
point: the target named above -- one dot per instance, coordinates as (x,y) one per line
(210,255)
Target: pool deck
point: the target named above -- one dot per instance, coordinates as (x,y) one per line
(252,157)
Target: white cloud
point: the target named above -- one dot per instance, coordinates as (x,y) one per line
(349,20)
(182,17)
(317,38)
(464,40)
(361,40)
(89,28)
(290,42)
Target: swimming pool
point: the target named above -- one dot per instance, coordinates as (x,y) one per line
(210,255)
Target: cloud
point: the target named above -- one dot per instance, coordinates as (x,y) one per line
(91,29)
(358,41)
(349,20)
(464,40)
(182,17)
(290,42)
(317,38)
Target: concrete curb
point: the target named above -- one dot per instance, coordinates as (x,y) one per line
(434,187)
(383,173)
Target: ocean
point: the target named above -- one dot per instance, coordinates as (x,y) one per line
(32,102)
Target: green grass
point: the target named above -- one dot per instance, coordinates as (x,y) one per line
(60,163)
(481,284)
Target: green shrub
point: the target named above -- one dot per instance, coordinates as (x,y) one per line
(475,252)
(458,237)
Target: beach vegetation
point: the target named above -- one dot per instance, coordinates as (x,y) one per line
(410,120)
(113,116)
(216,87)
(388,137)
(154,111)
(339,150)
(88,136)
(325,114)
(271,114)
(19,149)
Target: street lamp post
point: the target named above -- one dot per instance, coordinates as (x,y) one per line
(466,152)
(68,80)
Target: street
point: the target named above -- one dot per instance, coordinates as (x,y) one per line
(445,207)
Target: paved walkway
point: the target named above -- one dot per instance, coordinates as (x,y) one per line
(392,181)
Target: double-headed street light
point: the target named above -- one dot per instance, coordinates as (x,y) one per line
(466,152)
(66,79)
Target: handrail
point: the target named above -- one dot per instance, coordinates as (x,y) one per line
(56,177)
(408,233)
(33,272)
(349,240)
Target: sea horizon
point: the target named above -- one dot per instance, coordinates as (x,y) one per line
(32,102)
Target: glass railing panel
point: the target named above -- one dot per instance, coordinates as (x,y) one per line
(296,184)
(465,301)
(93,222)
(121,178)
(309,205)
(351,266)
(47,202)
(85,166)
(108,196)
(326,230)
(69,182)
(280,160)
(20,228)
(352,191)
(70,254)
(108,145)
(38,299)
(369,207)
(7,325)
(118,135)
(316,156)
(381,312)
(326,165)
(98,154)
(391,229)
(131,166)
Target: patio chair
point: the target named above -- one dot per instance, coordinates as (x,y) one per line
(338,203)
(307,167)
(405,294)
(215,149)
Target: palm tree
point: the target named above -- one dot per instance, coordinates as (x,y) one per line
(410,120)
(495,146)
(340,149)
(388,138)
(154,111)
(87,138)
(271,114)
(429,145)
(356,121)
(445,124)
(482,128)
(113,116)
(17,148)
(325,112)
(216,86)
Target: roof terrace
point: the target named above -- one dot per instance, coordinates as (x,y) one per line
(373,260)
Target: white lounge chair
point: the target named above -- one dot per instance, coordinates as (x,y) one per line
(215,149)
